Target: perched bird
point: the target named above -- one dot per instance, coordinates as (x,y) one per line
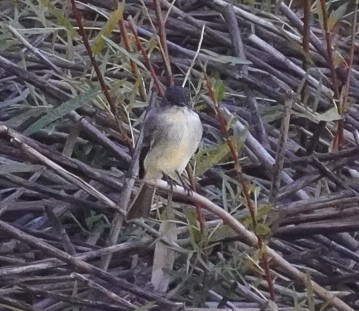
(172,134)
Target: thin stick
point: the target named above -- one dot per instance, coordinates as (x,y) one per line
(163,41)
(100,77)
(195,56)
(145,56)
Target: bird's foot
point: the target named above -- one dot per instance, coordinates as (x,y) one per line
(184,185)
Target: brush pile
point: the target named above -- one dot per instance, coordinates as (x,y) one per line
(276,85)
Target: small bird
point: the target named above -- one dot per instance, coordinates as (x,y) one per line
(172,134)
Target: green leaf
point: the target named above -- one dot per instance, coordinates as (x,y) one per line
(59,112)
(310,292)
(18,168)
(146,307)
(92,220)
(60,17)
(209,157)
(132,56)
(22,117)
(97,220)
(40,31)
(338,60)
(262,230)
(221,233)
(106,31)
(219,88)
(272,114)
(264,211)
(232,60)
(238,138)
(225,59)
(328,116)
(336,15)
(195,235)
(247,221)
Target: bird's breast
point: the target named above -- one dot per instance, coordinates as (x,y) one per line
(174,142)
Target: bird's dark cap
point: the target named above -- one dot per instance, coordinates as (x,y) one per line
(177,96)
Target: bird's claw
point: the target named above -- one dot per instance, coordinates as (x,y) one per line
(170,182)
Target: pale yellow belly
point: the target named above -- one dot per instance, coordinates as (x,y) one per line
(173,150)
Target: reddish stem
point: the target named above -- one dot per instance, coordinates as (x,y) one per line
(329,48)
(147,60)
(339,137)
(101,80)
(129,49)
(243,181)
(163,41)
(126,41)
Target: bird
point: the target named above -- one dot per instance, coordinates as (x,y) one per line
(172,134)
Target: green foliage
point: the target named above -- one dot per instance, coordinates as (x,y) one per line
(328,116)
(206,158)
(92,154)
(97,220)
(232,60)
(18,168)
(221,232)
(147,306)
(132,56)
(107,30)
(61,19)
(336,15)
(218,88)
(262,230)
(62,110)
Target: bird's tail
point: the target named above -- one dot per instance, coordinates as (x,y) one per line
(141,206)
